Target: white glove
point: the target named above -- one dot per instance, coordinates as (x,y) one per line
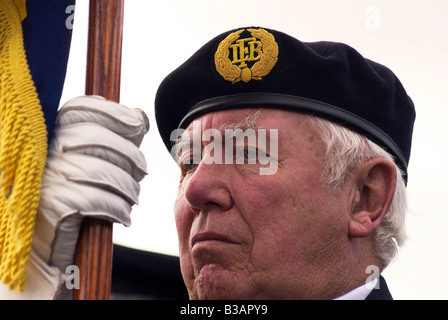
(93,169)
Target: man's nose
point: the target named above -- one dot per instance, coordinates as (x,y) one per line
(208,188)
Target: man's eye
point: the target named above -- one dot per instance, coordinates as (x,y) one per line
(250,155)
(191,166)
(188,166)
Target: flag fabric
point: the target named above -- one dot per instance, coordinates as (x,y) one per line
(34,46)
(47,32)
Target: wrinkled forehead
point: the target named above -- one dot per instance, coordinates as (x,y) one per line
(281,133)
(249,118)
(287,129)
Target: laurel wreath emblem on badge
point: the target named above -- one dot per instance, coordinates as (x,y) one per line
(260,49)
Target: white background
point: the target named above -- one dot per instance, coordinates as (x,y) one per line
(408,36)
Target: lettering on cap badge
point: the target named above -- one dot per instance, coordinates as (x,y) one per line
(233,56)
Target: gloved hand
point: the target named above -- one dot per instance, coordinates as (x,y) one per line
(93,169)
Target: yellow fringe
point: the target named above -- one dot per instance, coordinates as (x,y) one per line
(21,7)
(23,150)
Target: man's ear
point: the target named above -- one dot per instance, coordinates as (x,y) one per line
(375,188)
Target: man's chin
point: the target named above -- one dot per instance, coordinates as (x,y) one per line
(217,283)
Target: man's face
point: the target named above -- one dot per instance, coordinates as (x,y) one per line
(243,235)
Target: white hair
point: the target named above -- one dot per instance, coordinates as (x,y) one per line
(345,150)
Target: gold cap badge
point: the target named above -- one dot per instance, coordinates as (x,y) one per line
(234,54)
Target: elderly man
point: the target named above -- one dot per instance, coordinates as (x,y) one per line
(293,162)
(326,216)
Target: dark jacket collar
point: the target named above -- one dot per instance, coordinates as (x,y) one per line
(382,293)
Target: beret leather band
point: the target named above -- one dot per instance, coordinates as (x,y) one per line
(299,104)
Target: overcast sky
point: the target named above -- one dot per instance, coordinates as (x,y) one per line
(408,36)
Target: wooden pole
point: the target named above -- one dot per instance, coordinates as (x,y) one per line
(94,249)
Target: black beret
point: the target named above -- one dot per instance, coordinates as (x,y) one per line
(259,67)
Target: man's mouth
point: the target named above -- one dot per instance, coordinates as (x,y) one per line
(210,237)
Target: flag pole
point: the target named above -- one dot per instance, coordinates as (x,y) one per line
(93,254)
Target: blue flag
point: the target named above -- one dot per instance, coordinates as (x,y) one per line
(47,32)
